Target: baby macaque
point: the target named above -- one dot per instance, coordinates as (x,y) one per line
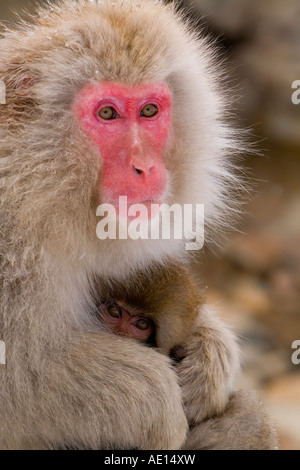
(124,323)
(158,306)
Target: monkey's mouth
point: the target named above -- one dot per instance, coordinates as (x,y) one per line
(143,210)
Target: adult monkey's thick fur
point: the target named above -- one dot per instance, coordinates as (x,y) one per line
(65,383)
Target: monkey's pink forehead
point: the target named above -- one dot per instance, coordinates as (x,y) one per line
(129,96)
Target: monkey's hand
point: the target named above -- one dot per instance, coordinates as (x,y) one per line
(108,392)
(208,369)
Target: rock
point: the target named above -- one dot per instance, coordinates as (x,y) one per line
(285,388)
(251,295)
(256,252)
(283,401)
(286,442)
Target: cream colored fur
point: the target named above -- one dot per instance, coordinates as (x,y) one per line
(67,384)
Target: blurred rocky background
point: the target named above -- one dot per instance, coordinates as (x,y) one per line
(255,282)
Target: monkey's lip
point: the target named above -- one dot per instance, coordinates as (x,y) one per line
(146,209)
(147,202)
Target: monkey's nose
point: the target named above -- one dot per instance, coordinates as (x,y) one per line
(139,172)
(143,169)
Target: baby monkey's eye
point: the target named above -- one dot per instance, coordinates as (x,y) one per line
(143,324)
(107,113)
(149,110)
(115,311)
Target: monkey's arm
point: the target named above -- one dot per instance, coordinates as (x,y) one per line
(219,418)
(209,368)
(103,392)
(243,425)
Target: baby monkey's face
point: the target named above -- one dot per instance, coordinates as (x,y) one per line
(122,320)
(125,323)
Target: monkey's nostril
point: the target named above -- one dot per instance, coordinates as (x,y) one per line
(139,172)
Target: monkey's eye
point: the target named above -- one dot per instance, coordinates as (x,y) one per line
(107,113)
(115,311)
(149,110)
(143,324)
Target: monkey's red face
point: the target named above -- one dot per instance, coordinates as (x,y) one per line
(130,126)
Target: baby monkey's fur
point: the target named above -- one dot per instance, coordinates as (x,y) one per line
(167,295)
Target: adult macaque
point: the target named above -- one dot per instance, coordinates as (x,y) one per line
(108,99)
